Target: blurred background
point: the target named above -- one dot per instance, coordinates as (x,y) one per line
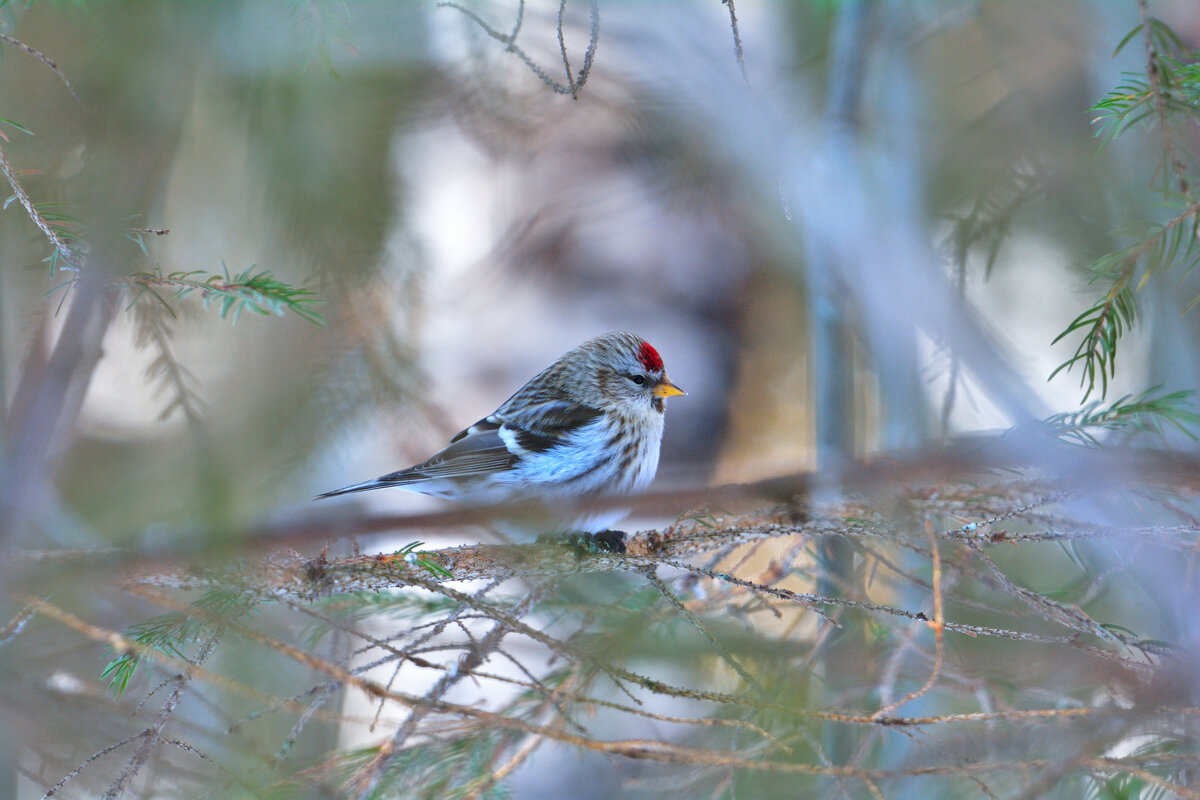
(778,204)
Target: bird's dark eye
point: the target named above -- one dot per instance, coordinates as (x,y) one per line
(640,380)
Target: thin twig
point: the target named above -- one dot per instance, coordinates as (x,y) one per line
(1160,102)
(53,790)
(40,56)
(589,55)
(518,758)
(152,736)
(726,656)
(510,45)
(938,623)
(562,47)
(737,40)
(65,252)
(370,775)
(15,625)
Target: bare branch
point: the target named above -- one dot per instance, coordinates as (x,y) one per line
(40,56)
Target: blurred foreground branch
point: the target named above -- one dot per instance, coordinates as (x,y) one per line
(549,636)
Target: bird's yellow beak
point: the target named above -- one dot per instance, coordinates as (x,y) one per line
(667,389)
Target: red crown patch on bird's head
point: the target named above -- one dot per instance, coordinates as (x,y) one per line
(650,358)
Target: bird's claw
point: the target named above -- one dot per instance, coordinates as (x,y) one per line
(609,541)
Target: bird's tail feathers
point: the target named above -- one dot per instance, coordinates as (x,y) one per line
(395,479)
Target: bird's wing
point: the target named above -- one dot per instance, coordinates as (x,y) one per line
(538,427)
(478,450)
(493,444)
(497,442)
(475,450)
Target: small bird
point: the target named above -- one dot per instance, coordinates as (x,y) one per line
(588,425)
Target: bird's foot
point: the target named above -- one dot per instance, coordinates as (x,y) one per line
(609,541)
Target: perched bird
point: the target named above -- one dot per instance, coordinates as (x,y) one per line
(588,425)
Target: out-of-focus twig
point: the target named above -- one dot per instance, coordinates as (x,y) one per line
(1154,78)
(737,39)
(938,624)
(152,736)
(42,57)
(64,252)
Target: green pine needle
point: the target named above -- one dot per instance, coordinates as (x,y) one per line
(260,292)
(173,633)
(1145,413)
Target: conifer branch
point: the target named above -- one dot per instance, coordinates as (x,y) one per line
(53,233)
(260,292)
